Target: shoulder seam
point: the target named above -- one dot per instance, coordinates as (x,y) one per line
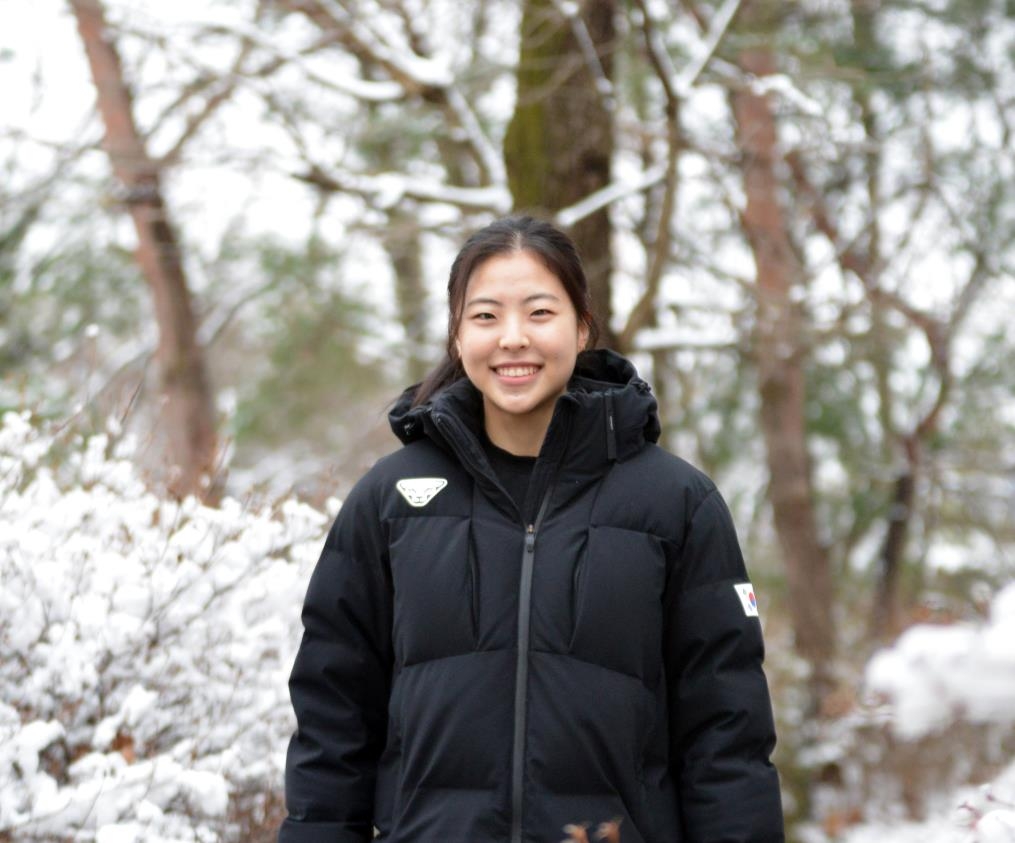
(713,491)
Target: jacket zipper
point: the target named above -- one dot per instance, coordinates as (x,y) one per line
(524,615)
(522,670)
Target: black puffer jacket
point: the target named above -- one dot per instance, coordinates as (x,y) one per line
(472,674)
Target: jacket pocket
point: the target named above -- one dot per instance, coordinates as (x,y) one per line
(577,590)
(472,582)
(618,592)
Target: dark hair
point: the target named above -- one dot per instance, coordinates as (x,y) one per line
(511,234)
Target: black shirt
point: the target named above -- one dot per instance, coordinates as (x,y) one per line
(513,471)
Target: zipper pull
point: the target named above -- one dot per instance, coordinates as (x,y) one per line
(530,538)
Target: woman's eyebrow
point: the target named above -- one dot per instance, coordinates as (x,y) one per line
(526,300)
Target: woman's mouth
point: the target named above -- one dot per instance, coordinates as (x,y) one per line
(516,371)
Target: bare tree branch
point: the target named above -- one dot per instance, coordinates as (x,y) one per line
(608,195)
(416,75)
(572,14)
(387,189)
(718,27)
(643,312)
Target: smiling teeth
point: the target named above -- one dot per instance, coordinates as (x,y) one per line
(517,371)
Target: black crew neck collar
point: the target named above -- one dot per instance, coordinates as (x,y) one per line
(497,451)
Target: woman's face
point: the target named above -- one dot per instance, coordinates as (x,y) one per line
(518,339)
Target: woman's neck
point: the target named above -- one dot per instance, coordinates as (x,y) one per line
(519,435)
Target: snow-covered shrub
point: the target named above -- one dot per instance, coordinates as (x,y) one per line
(940,681)
(971,815)
(926,753)
(935,675)
(144,646)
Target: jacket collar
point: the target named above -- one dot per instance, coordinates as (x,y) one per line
(607,414)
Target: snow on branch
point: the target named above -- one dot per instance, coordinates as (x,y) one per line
(370,31)
(680,83)
(344,83)
(611,193)
(667,339)
(572,13)
(716,32)
(146,645)
(388,47)
(388,189)
(783,85)
(492,161)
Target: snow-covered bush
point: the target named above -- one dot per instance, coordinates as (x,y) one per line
(926,752)
(938,679)
(972,815)
(144,646)
(935,675)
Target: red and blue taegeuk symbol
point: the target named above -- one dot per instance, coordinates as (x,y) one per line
(752,600)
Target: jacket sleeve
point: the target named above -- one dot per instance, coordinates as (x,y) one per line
(340,683)
(721,726)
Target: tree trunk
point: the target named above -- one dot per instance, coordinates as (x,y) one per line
(781,380)
(559,143)
(189,416)
(401,239)
(885,621)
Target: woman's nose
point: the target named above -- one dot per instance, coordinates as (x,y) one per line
(514,335)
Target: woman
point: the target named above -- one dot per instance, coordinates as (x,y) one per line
(530,615)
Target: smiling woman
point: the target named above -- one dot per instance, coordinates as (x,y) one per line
(518,341)
(531,615)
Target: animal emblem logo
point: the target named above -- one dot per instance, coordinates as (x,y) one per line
(419,491)
(745,591)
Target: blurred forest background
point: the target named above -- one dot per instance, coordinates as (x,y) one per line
(798,219)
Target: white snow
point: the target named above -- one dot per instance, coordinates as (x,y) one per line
(931,678)
(388,189)
(147,645)
(387,44)
(627,186)
(935,674)
(974,815)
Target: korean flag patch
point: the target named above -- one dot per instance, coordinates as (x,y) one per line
(745,591)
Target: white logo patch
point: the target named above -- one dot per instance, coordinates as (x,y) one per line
(745,591)
(419,491)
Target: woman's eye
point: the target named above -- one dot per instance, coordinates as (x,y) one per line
(542,312)
(483,317)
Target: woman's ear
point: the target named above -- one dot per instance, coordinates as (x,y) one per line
(583,335)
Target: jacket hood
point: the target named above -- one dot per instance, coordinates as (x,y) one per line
(608,412)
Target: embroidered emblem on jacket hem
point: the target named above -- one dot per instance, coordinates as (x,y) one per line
(419,491)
